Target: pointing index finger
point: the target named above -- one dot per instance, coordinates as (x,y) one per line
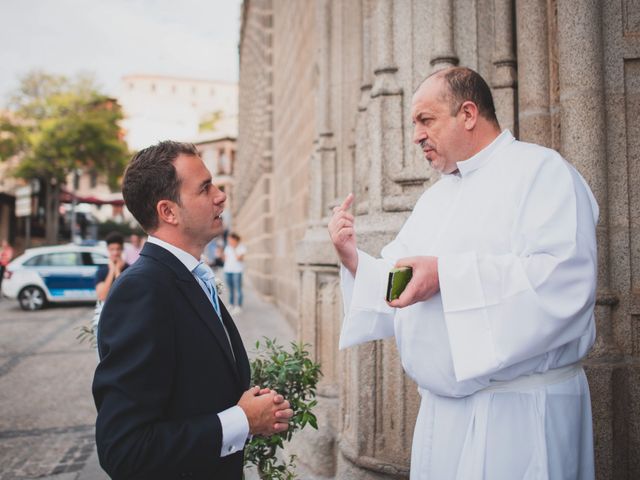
(347,202)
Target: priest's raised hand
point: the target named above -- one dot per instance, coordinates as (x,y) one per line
(343,235)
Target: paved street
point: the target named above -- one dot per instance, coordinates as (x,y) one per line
(47,412)
(46,408)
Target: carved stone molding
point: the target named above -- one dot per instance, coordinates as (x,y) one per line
(372,463)
(534,117)
(444,54)
(504,77)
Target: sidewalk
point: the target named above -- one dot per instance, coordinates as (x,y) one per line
(258,319)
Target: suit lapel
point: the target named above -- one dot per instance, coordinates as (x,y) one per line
(190,288)
(207,314)
(242,361)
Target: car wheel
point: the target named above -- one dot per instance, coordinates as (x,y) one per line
(31,298)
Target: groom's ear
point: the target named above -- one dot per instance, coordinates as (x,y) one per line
(167,212)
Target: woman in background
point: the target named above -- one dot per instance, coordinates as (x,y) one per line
(233,257)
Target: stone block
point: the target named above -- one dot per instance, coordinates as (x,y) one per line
(316,449)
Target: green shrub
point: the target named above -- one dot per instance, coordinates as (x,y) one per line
(294,375)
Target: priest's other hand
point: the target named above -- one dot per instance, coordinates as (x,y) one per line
(343,235)
(267,413)
(424,282)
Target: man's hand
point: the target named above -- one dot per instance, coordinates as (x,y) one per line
(424,283)
(343,235)
(266,410)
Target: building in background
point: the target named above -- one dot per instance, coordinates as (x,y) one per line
(219,156)
(171,108)
(325,93)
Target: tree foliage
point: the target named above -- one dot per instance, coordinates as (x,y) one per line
(57,125)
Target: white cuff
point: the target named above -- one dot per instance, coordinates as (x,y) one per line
(366,314)
(235,430)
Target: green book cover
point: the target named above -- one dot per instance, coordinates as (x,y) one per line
(398,280)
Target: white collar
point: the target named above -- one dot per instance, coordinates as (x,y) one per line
(186,258)
(475,162)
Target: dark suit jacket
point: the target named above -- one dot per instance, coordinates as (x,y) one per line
(166,370)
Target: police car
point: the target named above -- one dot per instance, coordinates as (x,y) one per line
(63,273)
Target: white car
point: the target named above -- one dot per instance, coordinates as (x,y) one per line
(64,273)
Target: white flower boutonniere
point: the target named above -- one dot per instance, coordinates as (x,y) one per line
(219,286)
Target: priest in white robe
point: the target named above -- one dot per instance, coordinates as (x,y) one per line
(500,309)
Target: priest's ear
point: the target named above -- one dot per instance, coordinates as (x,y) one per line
(167,212)
(469,111)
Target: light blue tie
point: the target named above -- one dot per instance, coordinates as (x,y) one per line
(204,273)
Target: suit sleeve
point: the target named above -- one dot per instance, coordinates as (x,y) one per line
(133,382)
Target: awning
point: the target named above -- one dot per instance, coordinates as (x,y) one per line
(67,197)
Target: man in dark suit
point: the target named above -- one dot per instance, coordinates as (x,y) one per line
(172,387)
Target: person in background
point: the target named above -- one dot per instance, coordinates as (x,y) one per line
(213,253)
(233,258)
(6,254)
(132,250)
(107,274)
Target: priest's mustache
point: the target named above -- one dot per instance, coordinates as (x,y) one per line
(423,144)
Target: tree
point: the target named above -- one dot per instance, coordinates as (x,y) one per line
(56,126)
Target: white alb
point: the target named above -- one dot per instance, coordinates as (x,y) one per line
(495,354)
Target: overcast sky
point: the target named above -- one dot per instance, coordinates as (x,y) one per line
(112,38)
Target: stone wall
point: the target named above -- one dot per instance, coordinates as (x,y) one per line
(293,136)
(564,73)
(252,194)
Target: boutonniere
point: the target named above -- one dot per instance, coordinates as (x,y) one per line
(219,286)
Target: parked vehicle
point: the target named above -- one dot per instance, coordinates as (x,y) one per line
(62,273)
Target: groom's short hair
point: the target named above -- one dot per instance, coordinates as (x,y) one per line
(151,177)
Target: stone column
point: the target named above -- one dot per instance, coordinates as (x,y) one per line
(373,434)
(385,122)
(319,292)
(503,79)
(444,54)
(583,143)
(326,146)
(534,119)
(583,129)
(362,151)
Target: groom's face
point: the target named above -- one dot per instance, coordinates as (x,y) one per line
(201,202)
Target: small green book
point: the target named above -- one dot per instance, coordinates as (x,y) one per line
(398,280)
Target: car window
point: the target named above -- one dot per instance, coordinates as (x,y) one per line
(59,259)
(93,258)
(34,261)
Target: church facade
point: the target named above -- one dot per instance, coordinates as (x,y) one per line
(325,93)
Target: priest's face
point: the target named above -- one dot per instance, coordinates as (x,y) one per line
(440,135)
